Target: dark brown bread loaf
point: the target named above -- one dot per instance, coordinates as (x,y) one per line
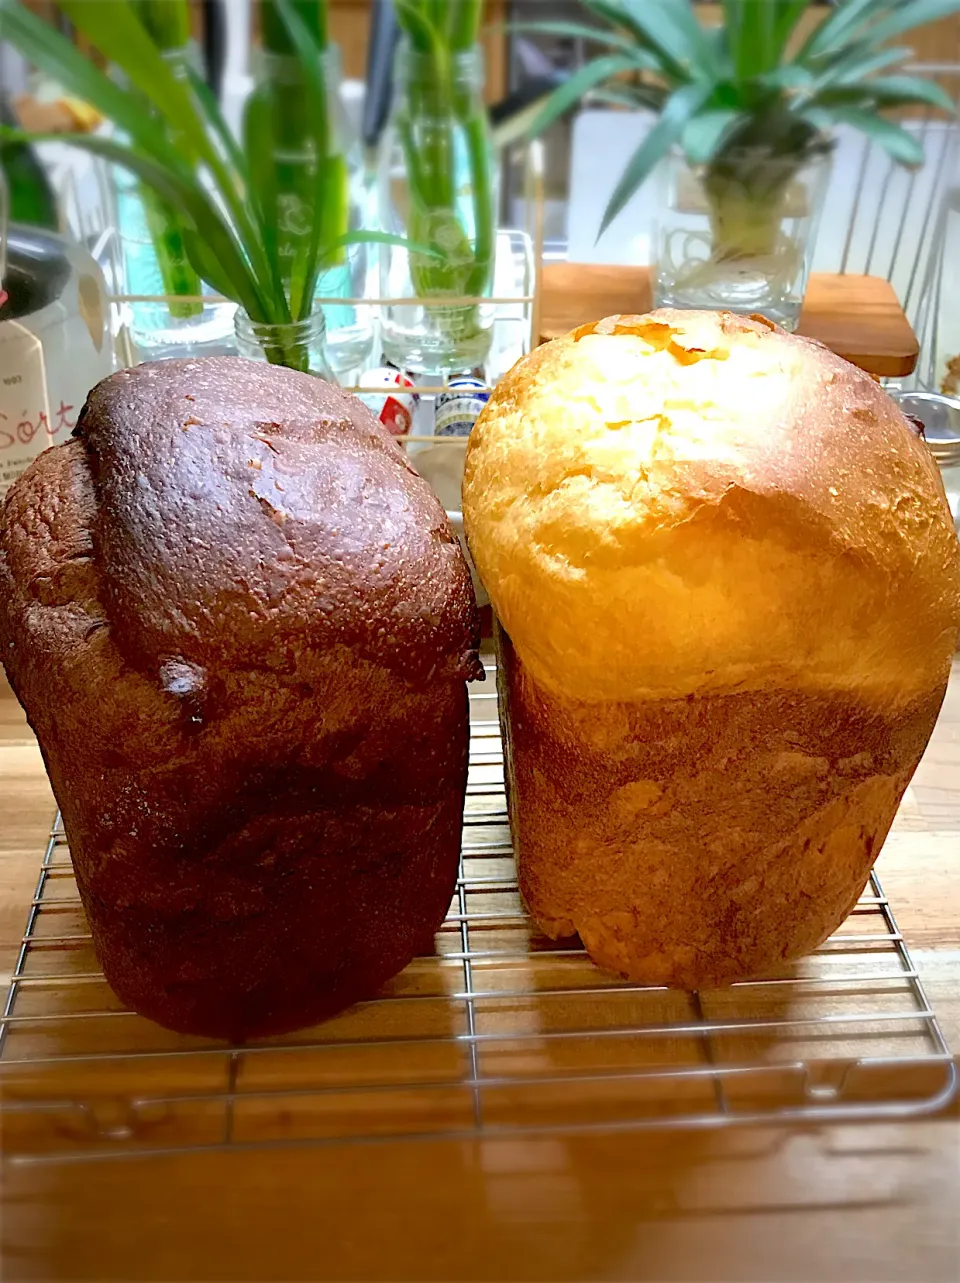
(240,626)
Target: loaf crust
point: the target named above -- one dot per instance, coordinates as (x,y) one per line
(729,587)
(241,628)
(699,841)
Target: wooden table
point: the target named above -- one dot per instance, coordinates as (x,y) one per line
(870,1202)
(859,317)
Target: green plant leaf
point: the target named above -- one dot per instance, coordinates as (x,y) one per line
(208,265)
(464,23)
(572,90)
(260,145)
(485,231)
(670,25)
(789,13)
(896,142)
(680,106)
(178,275)
(901,90)
(214,116)
(188,199)
(616,13)
(916,13)
(245,188)
(420,31)
(819,118)
(788,76)
(749,27)
(117,32)
(334,214)
(576,31)
(515,127)
(361,237)
(634,97)
(167,21)
(837,30)
(437,13)
(53,53)
(113,27)
(314,85)
(732,27)
(704,134)
(856,65)
(891,91)
(716,38)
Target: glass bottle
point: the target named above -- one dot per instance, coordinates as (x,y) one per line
(30,197)
(437,186)
(738,233)
(153,268)
(299,345)
(280,131)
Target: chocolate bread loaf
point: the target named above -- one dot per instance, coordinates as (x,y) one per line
(241,628)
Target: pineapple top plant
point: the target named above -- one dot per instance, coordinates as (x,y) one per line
(747,101)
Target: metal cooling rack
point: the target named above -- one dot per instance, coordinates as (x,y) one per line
(499,1031)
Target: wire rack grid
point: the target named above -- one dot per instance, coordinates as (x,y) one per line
(499,1031)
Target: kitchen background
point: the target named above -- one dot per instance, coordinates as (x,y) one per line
(872,209)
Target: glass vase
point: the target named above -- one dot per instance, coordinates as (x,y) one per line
(437,186)
(280,132)
(738,234)
(158,324)
(299,345)
(153,268)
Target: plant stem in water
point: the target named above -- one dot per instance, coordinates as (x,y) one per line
(168,23)
(295,356)
(747,198)
(435,110)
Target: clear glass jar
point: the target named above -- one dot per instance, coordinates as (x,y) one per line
(299,345)
(279,106)
(738,233)
(437,186)
(152,264)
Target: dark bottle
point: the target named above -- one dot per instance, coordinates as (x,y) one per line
(31,197)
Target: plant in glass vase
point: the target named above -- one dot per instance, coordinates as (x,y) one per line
(281,130)
(746,114)
(437,183)
(168,311)
(168,22)
(177,143)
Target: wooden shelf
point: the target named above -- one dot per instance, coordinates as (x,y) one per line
(859,317)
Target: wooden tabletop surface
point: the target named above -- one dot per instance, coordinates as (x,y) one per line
(859,317)
(872,1201)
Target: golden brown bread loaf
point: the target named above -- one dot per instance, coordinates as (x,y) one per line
(241,627)
(730,589)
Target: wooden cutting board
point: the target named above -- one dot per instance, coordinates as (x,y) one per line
(859,317)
